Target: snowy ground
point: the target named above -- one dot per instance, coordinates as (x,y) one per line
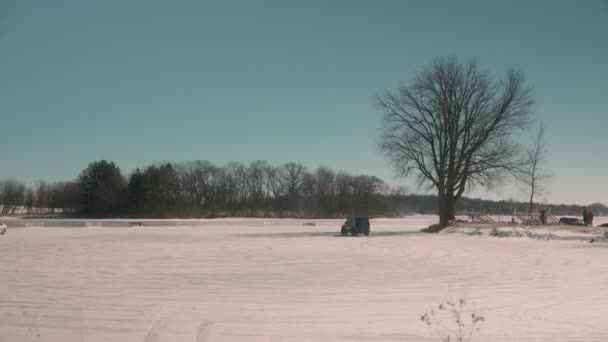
(277,280)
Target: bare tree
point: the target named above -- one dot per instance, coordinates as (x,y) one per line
(42,194)
(291,176)
(29,200)
(452,127)
(235,186)
(276,188)
(535,177)
(64,196)
(344,191)
(325,188)
(255,188)
(12,196)
(197,182)
(363,188)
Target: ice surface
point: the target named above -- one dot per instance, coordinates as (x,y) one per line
(277,280)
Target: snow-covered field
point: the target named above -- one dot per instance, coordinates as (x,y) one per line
(277,280)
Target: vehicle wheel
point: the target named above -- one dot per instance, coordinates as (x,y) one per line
(354,233)
(343,231)
(366,232)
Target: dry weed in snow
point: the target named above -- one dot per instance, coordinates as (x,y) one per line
(453,321)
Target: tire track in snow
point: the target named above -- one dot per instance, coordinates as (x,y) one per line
(155,331)
(204,330)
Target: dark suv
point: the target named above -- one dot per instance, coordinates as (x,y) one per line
(355,225)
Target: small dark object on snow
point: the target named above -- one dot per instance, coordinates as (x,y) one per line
(543,216)
(3,231)
(355,225)
(434,228)
(592,241)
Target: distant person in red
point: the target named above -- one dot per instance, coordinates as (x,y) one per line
(590,217)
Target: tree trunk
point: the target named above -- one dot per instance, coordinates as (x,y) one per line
(532,193)
(451,202)
(443,210)
(446,208)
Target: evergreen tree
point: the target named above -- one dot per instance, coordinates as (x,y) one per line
(136,194)
(102,188)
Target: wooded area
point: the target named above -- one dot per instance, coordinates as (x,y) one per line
(201,189)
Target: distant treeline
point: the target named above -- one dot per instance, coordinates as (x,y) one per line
(426,204)
(201,189)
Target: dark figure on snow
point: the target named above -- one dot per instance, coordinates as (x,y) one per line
(590,217)
(543,217)
(585,216)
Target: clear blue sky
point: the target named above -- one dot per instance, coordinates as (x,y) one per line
(143,81)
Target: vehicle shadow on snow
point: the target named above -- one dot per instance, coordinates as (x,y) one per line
(332,234)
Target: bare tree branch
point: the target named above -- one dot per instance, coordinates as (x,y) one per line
(534,175)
